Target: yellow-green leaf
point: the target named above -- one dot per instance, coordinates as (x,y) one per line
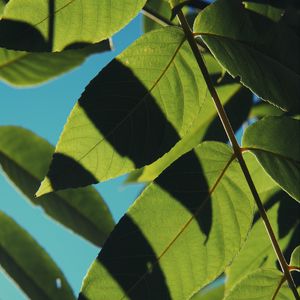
(58,24)
(180,234)
(131,114)
(25,158)
(20,68)
(262,284)
(295,258)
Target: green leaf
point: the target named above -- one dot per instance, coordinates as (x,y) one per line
(180,234)
(132,113)
(20,68)
(2,6)
(267,10)
(263,109)
(162,7)
(257,251)
(261,52)
(177,5)
(237,101)
(29,265)
(277,149)
(57,24)
(295,258)
(24,158)
(261,284)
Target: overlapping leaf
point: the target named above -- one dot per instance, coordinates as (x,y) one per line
(162,7)
(29,265)
(258,251)
(264,109)
(276,144)
(56,24)
(207,127)
(295,258)
(261,284)
(20,68)
(180,234)
(264,54)
(132,113)
(25,158)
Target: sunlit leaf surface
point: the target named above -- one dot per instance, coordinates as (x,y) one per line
(180,234)
(25,158)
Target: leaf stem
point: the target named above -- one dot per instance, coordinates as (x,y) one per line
(236,148)
(282,281)
(154,16)
(163,21)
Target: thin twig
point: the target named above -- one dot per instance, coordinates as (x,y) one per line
(159,19)
(282,281)
(154,16)
(236,148)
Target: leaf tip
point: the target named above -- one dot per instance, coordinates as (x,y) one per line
(44,188)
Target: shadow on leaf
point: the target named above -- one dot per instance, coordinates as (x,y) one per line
(128,116)
(237,109)
(127,254)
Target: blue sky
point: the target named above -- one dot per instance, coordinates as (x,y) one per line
(44,110)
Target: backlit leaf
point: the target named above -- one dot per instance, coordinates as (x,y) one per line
(257,251)
(295,258)
(20,68)
(2,6)
(180,234)
(161,7)
(56,24)
(276,144)
(132,113)
(264,54)
(29,265)
(207,127)
(25,158)
(261,284)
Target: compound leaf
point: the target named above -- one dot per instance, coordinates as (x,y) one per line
(133,112)
(187,225)
(264,54)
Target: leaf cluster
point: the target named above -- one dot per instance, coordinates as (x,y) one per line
(195,231)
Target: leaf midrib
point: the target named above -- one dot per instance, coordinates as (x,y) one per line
(185,226)
(55,12)
(25,274)
(4,65)
(72,208)
(137,105)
